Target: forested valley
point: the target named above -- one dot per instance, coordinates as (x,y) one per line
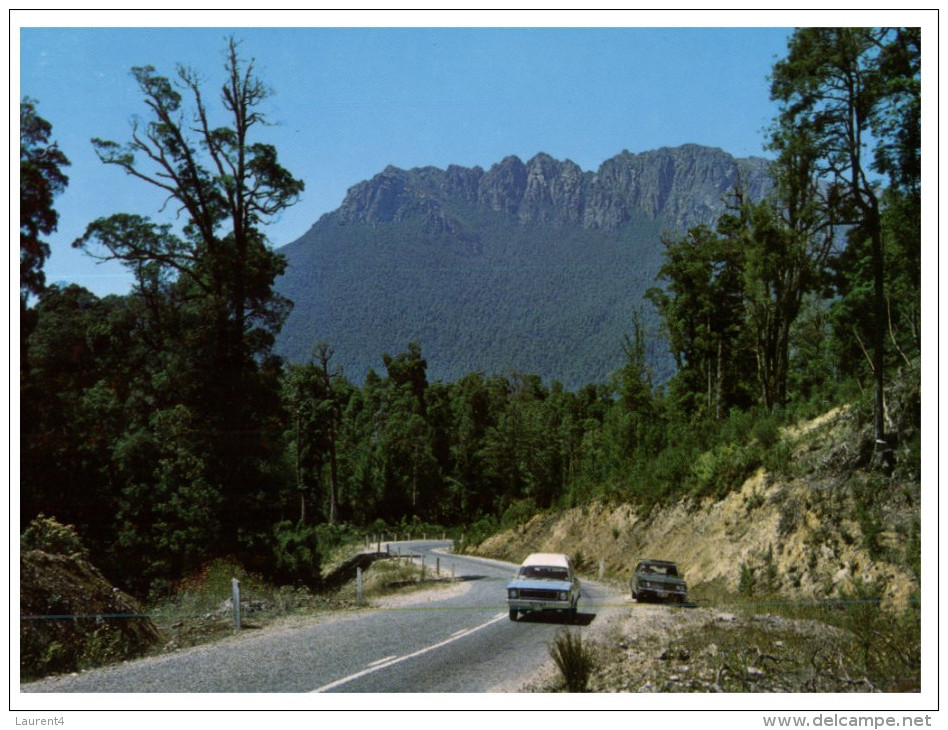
(161,425)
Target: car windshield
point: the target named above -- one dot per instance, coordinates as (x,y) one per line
(669,570)
(542,572)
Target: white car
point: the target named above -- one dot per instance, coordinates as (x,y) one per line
(544,582)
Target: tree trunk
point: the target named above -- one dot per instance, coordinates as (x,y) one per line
(720,380)
(333,477)
(878,342)
(299,471)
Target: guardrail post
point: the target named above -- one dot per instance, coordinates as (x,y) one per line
(358,586)
(602,567)
(235,598)
(422,568)
(438,566)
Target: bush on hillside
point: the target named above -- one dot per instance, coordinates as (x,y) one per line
(46,534)
(296,554)
(71,617)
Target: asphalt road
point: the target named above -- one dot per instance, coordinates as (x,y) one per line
(456,642)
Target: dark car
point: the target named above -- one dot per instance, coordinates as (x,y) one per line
(658,580)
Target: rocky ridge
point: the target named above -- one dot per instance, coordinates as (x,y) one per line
(684,186)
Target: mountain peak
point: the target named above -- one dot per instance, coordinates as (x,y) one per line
(530,266)
(683,186)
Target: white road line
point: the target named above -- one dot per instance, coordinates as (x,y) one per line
(383,660)
(384,663)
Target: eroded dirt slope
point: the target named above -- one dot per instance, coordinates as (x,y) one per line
(797,535)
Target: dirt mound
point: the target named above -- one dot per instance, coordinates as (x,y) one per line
(72,618)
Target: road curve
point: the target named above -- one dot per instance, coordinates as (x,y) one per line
(452,641)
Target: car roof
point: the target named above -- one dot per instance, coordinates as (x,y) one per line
(548,559)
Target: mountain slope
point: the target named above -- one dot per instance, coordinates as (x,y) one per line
(532,267)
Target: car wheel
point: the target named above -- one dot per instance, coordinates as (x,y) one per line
(513,615)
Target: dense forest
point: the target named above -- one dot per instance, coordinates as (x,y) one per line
(163,427)
(551,301)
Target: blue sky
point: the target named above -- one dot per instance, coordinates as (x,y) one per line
(349,101)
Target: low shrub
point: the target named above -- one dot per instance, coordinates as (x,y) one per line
(46,534)
(296,554)
(716,472)
(478,531)
(518,513)
(574,660)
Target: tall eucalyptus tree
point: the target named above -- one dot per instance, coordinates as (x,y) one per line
(853,96)
(215,274)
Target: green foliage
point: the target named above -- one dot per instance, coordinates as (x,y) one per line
(574,660)
(374,288)
(486,453)
(479,530)
(41,180)
(385,576)
(747,586)
(182,439)
(169,509)
(518,513)
(759,577)
(863,615)
(832,122)
(297,552)
(868,515)
(717,472)
(791,516)
(46,534)
(162,406)
(106,645)
(702,310)
(769,579)
(913,549)
(207,290)
(71,409)
(766,431)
